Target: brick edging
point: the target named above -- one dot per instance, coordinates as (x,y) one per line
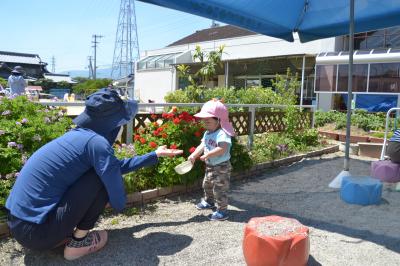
(140,198)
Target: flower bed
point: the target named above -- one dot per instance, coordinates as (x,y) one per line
(176,131)
(24,128)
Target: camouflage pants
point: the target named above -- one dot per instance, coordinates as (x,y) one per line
(216,184)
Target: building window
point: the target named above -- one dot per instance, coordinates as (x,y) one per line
(384,78)
(385,38)
(253,83)
(325,78)
(360,77)
(157,61)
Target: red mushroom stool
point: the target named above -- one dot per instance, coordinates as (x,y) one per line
(275,241)
(386,171)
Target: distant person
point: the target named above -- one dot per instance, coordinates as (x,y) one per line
(393,148)
(151,109)
(16,81)
(214,150)
(66,97)
(65,185)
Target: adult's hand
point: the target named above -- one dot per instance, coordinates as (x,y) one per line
(163,151)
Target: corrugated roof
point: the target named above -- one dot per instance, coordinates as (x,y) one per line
(59,77)
(11,57)
(215,33)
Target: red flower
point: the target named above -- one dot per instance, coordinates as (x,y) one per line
(164,115)
(153,144)
(173,146)
(154,116)
(176,121)
(197,134)
(192,149)
(142,140)
(164,135)
(137,137)
(155,132)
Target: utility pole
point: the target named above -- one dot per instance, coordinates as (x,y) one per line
(90,66)
(95,42)
(53,64)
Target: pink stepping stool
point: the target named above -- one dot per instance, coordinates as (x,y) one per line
(386,171)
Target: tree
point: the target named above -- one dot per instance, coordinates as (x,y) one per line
(90,86)
(3,82)
(209,62)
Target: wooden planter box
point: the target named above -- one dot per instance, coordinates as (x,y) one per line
(370,149)
(375,140)
(329,134)
(353,139)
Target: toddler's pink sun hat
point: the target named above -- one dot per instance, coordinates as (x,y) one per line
(215,108)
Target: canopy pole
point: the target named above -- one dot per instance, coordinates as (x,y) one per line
(302,81)
(226,73)
(337,181)
(349,88)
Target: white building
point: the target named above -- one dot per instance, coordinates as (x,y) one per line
(253,59)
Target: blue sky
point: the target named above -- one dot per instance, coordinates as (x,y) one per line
(64,29)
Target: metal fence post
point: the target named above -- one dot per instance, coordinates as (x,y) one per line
(313,110)
(250,139)
(129,131)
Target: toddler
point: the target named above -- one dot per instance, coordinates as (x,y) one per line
(214,150)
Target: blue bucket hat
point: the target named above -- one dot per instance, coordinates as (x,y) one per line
(106,111)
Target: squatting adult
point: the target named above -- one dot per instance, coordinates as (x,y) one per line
(65,185)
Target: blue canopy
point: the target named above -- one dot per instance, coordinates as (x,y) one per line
(311,19)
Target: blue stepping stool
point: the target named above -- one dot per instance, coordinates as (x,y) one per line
(361,190)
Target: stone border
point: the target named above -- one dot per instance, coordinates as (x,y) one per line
(140,198)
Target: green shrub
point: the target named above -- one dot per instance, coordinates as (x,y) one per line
(3,82)
(24,127)
(179,131)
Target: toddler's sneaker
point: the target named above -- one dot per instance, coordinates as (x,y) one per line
(219,215)
(204,205)
(94,241)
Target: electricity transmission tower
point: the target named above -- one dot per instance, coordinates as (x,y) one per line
(53,64)
(126,48)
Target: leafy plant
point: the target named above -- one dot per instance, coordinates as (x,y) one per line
(24,127)
(89,86)
(176,131)
(3,82)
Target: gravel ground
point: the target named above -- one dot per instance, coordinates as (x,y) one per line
(173,232)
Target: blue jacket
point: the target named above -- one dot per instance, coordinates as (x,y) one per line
(52,169)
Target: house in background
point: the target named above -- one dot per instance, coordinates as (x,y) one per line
(252,59)
(249,59)
(59,78)
(33,66)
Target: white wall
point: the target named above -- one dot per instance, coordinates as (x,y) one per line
(154,84)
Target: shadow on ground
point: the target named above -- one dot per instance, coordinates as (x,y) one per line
(301,191)
(123,248)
